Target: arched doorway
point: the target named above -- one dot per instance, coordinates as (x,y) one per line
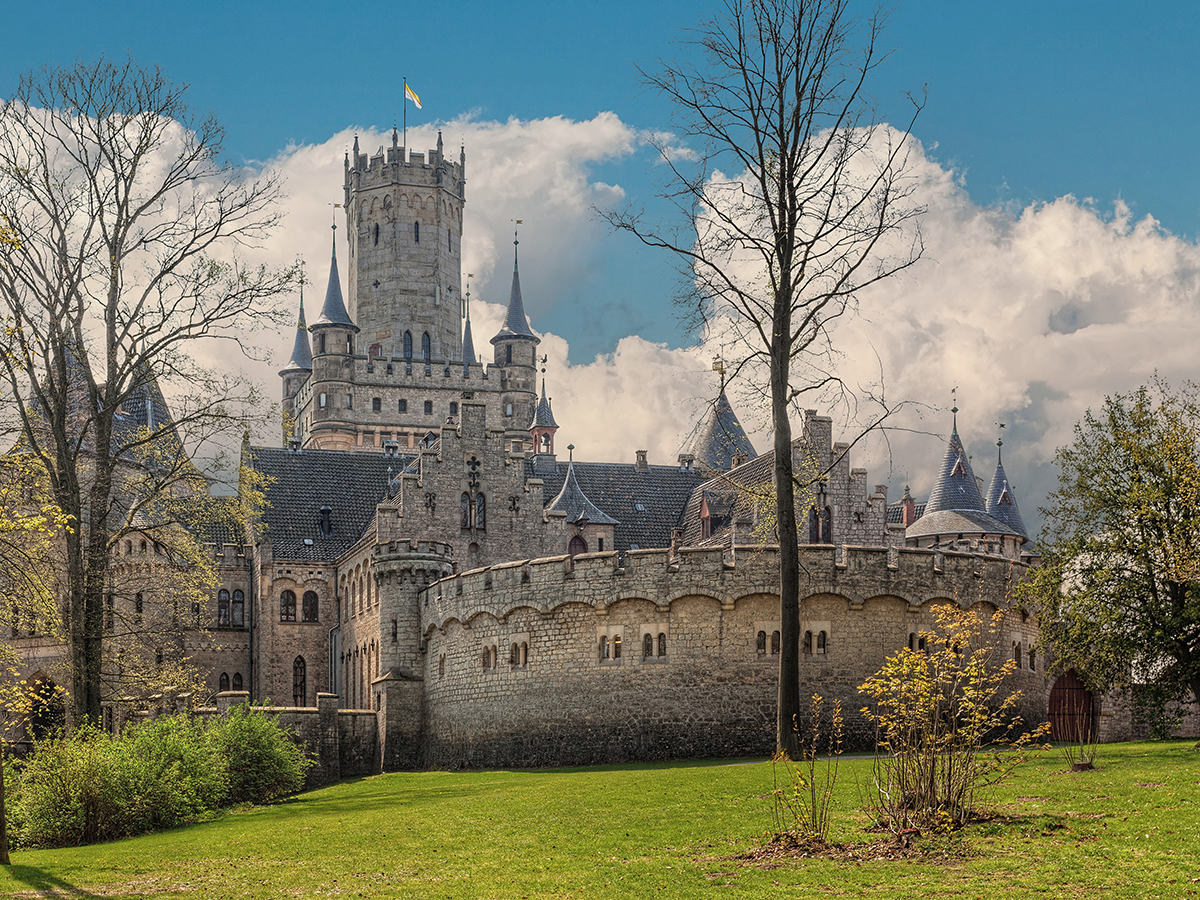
(1071,710)
(578,545)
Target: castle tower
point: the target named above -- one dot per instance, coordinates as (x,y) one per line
(543,426)
(1001,504)
(333,333)
(295,373)
(515,348)
(404,222)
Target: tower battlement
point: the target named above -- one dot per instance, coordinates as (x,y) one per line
(397,165)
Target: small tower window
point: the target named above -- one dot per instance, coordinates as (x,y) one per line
(408,345)
(376,234)
(322,400)
(321,342)
(508,355)
(416,232)
(426,347)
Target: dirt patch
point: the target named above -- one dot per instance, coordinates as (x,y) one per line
(784,847)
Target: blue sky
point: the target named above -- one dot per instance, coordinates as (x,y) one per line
(1052,131)
(1026,100)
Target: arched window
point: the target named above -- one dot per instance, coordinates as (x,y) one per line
(487,658)
(912,641)
(299,681)
(827,526)
(408,345)
(1032,660)
(238,619)
(814,526)
(508,355)
(442,666)
(416,232)
(514,655)
(426,347)
(480,512)
(662,643)
(287,607)
(647,645)
(576,546)
(308,607)
(616,646)
(760,642)
(223,682)
(821,642)
(808,642)
(376,234)
(1017,653)
(524,654)
(465,510)
(222,608)
(237,681)
(605,650)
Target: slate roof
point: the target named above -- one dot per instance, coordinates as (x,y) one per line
(620,489)
(468,353)
(543,415)
(956,521)
(895,512)
(351,483)
(301,359)
(515,323)
(1001,503)
(758,471)
(722,438)
(572,500)
(956,487)
(334,310)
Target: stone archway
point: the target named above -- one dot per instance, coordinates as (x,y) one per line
(1071,709)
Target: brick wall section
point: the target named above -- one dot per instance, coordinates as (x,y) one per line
(713,693)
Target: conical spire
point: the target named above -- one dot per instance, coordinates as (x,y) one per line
(334,310)
(1001,504)
(468,343)
(543,415)
(956,487)
(574,502)
(515,323)
(301,350)
(722,438)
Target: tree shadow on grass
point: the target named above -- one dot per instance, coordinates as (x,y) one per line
(43,884)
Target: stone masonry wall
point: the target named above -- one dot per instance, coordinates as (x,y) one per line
(707,687)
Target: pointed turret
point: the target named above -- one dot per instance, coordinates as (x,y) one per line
(333,312)
(956,487)
(574,502)
(722,438)
(468,342)
(301,359)
(1001,503)
(515,323)
(543,426)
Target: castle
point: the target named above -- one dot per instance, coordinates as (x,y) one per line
(430,560)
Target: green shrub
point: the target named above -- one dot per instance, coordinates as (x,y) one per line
(263,761)
(179,775)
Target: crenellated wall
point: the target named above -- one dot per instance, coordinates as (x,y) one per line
(516,671)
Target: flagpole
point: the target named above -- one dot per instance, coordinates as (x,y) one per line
(404,102)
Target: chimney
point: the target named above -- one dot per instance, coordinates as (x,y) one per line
(739,459)
(908,508)
(294,444)
(325,523)
(390,447)
(642,465)
(686,461)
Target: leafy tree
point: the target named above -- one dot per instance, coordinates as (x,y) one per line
(118,280)
(1118,590)
(795,193)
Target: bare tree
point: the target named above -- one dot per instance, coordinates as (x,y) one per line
(797,200)
(122,269)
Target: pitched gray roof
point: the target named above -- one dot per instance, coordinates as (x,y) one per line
(648,503)
(468,353)
(543,415)
(722,438)
(333,312)
(515,323)
(352,484)
(1001,503)
(895,512)
(955,487)
(301,350)
(735,483)
(574,502)
(955,522)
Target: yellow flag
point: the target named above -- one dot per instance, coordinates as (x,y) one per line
(410,94)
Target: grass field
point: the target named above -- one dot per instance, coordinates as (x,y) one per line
(1129,829)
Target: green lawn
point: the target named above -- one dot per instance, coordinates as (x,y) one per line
(1131,829)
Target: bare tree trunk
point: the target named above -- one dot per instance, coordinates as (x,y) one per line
(789,545)
(4,860)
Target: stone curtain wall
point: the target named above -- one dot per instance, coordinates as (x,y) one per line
(712,692)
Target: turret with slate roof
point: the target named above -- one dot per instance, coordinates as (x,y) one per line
(573,502)
(1001,503)
(301,359)
(543,426)
(296,372)
(468,342)
(333,312)
(723,442)
(515,352)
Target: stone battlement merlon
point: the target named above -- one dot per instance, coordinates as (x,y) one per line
(857,574)
(402,166)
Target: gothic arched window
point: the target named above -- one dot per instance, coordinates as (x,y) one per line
(814,526)
(309,606)
(238,618)
(299,682)
(760,642)
(222,608)
(662,643)
(223,682)
(480,512)
(578,545)
(465,510)
(426,347)
(416,232)
(605,652)
(808,642)
(408,345)
(821,641)
(827,526)
(647,645)
(287,607)
(774,643)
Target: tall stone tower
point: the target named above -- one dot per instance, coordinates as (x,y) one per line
(404,214)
